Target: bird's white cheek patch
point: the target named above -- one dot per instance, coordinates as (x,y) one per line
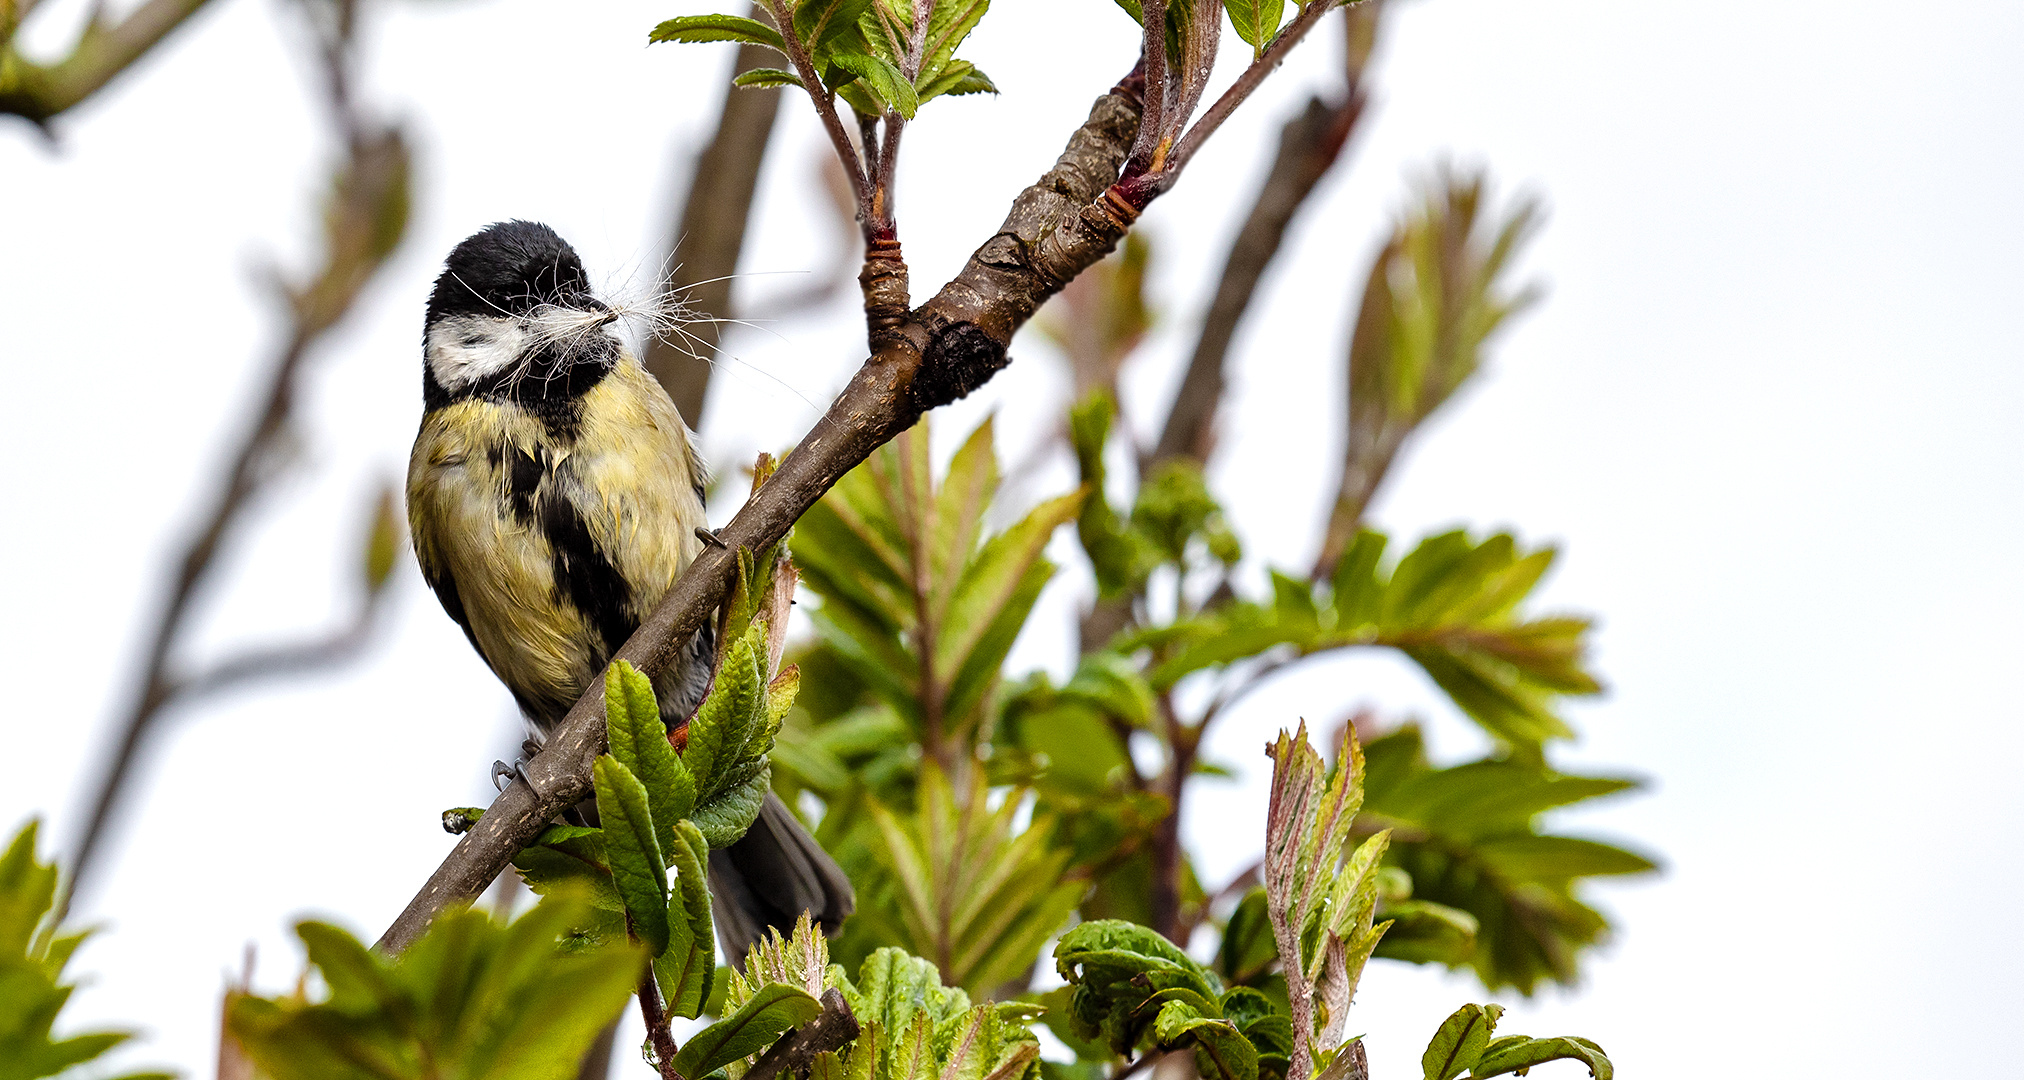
(465,349)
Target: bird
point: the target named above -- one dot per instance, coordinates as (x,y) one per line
(554,495)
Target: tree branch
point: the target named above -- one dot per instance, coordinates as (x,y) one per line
(367,214)
(1309,145)
(705,249)
(1251,78)
(38,92)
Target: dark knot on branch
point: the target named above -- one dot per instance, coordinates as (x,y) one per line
(960,358)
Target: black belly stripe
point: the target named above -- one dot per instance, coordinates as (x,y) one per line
(583,574)
(523,475)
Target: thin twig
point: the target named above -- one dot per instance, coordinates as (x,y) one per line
(654,1013)
(1309,145)
(1251,78)
(1154,51)
(825,107)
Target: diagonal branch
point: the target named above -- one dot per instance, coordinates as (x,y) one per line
(38,92)
(1309,145)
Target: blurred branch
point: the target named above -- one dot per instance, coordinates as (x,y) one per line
(1309,145)
(706,246)
(365,217)
(38,92)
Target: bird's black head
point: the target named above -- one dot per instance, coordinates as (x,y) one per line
(513,316)
(509,268)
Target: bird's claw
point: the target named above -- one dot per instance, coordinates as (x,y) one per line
(503,774)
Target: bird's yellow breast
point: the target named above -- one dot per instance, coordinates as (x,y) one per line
(555,539)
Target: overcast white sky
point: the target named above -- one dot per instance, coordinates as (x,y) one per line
(1772,408)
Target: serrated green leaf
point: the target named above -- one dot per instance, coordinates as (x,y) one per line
(721,735)
(699,28)
(1221,1052)
(638,868)
(753,1028)
(687,968)
(639,740)
(823,24)
(726,816)
(763,78)
(878,74)
(958,79)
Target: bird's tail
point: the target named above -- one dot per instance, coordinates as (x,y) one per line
(772,875)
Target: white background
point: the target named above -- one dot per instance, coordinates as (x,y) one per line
(1770,408)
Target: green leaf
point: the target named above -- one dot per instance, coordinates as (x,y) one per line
(1515,1055)
(970,889)
(1256,21)
(1424,932)
(637,867)
(496,1000)
(1116,967)
(27,891)
(883,79)
(698,28)
(1221,1052)
(992,600)
(948,24)
(687,968)
(762,78)
(726,816)
(639,740)
(820,24)
(722,734)
(754,1027)
(1248,950)
(1459,1043)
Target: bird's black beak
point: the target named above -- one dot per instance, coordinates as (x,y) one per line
(583,301)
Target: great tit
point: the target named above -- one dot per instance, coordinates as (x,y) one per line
(554,495)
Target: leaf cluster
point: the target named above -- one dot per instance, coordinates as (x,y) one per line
(867,52)
(1135,992)
(910,1025)
(473,997)
(645,867)
(918,604)
(1470,838)
(33,954)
